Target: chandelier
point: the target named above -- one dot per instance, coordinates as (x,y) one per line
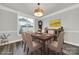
(38,11)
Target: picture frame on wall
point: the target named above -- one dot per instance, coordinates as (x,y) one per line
(54,23)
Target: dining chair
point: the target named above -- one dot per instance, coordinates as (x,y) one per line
(32,45)
(51,32)
(24,40)
(57,46)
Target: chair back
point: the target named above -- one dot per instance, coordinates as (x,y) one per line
(29,31)
(29,40)
(60,40)
(23,37)
(51,32)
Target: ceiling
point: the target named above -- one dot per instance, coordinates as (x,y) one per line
(28,8)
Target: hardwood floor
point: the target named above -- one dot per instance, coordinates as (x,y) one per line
(17,49)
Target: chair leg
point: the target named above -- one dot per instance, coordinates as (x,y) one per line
(27,50)
(22,43)
(48,51)
(41,51)
(24,47)
(61,51)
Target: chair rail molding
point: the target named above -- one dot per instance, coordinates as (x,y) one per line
(75,44)
(7,31)
(73,31)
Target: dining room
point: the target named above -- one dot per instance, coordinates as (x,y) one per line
(39,28)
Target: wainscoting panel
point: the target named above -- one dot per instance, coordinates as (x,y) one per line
(72,37)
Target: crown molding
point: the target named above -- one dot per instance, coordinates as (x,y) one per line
(61,11)
(55,13)
(15,11)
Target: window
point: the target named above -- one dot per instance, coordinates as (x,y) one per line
(25,24)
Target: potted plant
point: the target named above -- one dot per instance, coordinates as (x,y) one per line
(4,37)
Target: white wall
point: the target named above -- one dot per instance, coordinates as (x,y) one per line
(70,22)
(8,21)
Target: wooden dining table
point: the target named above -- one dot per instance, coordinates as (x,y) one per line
(43,37)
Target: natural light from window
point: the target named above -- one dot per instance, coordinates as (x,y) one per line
(25,24)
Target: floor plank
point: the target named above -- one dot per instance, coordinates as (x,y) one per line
(68,50)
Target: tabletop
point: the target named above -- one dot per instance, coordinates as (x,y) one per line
(43,36)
